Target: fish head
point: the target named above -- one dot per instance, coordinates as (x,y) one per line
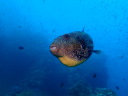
(59,45)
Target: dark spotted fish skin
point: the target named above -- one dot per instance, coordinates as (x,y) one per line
(76,45)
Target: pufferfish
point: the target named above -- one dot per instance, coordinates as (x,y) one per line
(73,48)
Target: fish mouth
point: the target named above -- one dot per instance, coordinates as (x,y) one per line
(53,47)
(55,50)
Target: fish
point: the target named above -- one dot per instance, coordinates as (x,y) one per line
(73,48)
(117,87)
(94,75)
(61,84)
(21,48)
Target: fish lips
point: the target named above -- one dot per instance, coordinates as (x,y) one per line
(54,50)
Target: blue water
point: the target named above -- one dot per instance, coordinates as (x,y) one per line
(28,27)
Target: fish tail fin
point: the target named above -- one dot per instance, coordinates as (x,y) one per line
(97,51)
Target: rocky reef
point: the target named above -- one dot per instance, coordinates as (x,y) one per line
(81,89)
(35,85)
(77,89)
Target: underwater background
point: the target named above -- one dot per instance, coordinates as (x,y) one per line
(28,27)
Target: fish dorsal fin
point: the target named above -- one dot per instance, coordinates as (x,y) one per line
(83,29)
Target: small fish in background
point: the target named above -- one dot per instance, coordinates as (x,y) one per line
(117,87)
(73,48)
(21,48)
(19,26)
(94,75)
(61,84)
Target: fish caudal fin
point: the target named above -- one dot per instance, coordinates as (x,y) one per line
(97,51)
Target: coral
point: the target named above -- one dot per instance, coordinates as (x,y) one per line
(25,93)
(104,92)
(81,89)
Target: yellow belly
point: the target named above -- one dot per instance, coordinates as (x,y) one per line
(70,62)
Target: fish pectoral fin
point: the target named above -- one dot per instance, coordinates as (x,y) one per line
(97,51)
